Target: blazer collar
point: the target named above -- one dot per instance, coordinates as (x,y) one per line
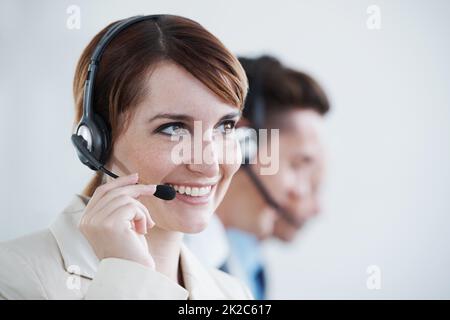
(77,253)
(79,257)
(198,279)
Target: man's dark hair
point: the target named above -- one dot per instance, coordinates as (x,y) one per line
(280,89)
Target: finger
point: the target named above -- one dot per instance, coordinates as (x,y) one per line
(116,203)
(124,217)
(108,208)
(116,183)
(133,191)
(150,222)
(141,224)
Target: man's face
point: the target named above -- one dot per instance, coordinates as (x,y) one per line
(296,186)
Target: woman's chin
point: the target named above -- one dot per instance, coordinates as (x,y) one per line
(195,224)
(193,218)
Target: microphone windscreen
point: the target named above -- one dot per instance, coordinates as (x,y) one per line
(164,192)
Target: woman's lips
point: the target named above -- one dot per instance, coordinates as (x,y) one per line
(196,200)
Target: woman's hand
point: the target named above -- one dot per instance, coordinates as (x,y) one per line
(115,222)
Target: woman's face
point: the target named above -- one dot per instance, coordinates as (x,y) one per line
(176,100)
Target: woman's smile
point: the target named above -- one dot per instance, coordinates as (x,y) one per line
(194,193)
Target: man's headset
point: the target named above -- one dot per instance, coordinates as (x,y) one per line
(249,144)
(92,138)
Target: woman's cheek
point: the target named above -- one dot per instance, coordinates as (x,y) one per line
(231,157)
(153,162)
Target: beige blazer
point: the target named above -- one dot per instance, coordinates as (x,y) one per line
(59,263)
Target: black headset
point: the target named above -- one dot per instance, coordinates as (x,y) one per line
(92,138)
(249,143)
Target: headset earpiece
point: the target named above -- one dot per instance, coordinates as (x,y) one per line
(95,139)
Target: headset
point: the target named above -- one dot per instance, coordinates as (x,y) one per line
(249,144)
(92,138)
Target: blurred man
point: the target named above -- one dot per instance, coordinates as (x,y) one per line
(259,206)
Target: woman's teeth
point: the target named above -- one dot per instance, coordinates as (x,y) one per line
(191,191)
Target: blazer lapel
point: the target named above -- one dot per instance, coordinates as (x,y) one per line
(77,254)
(197,279)
(79,257)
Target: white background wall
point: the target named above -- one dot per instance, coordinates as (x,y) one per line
(387,198)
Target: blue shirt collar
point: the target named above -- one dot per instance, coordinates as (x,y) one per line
(246,248)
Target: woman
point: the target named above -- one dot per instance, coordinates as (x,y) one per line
(156,78)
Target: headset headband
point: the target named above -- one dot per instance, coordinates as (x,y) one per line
(97,54)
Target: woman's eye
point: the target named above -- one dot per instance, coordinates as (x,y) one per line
(174,129)
(227,127)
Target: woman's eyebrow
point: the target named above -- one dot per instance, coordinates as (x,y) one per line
(187,118)
(171,116)
(229,116)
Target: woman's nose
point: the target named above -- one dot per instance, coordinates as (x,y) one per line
(208,163)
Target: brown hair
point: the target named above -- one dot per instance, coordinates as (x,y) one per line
(128,58)
(281,88)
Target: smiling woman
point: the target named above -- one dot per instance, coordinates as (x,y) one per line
(155,80)
(137,51)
